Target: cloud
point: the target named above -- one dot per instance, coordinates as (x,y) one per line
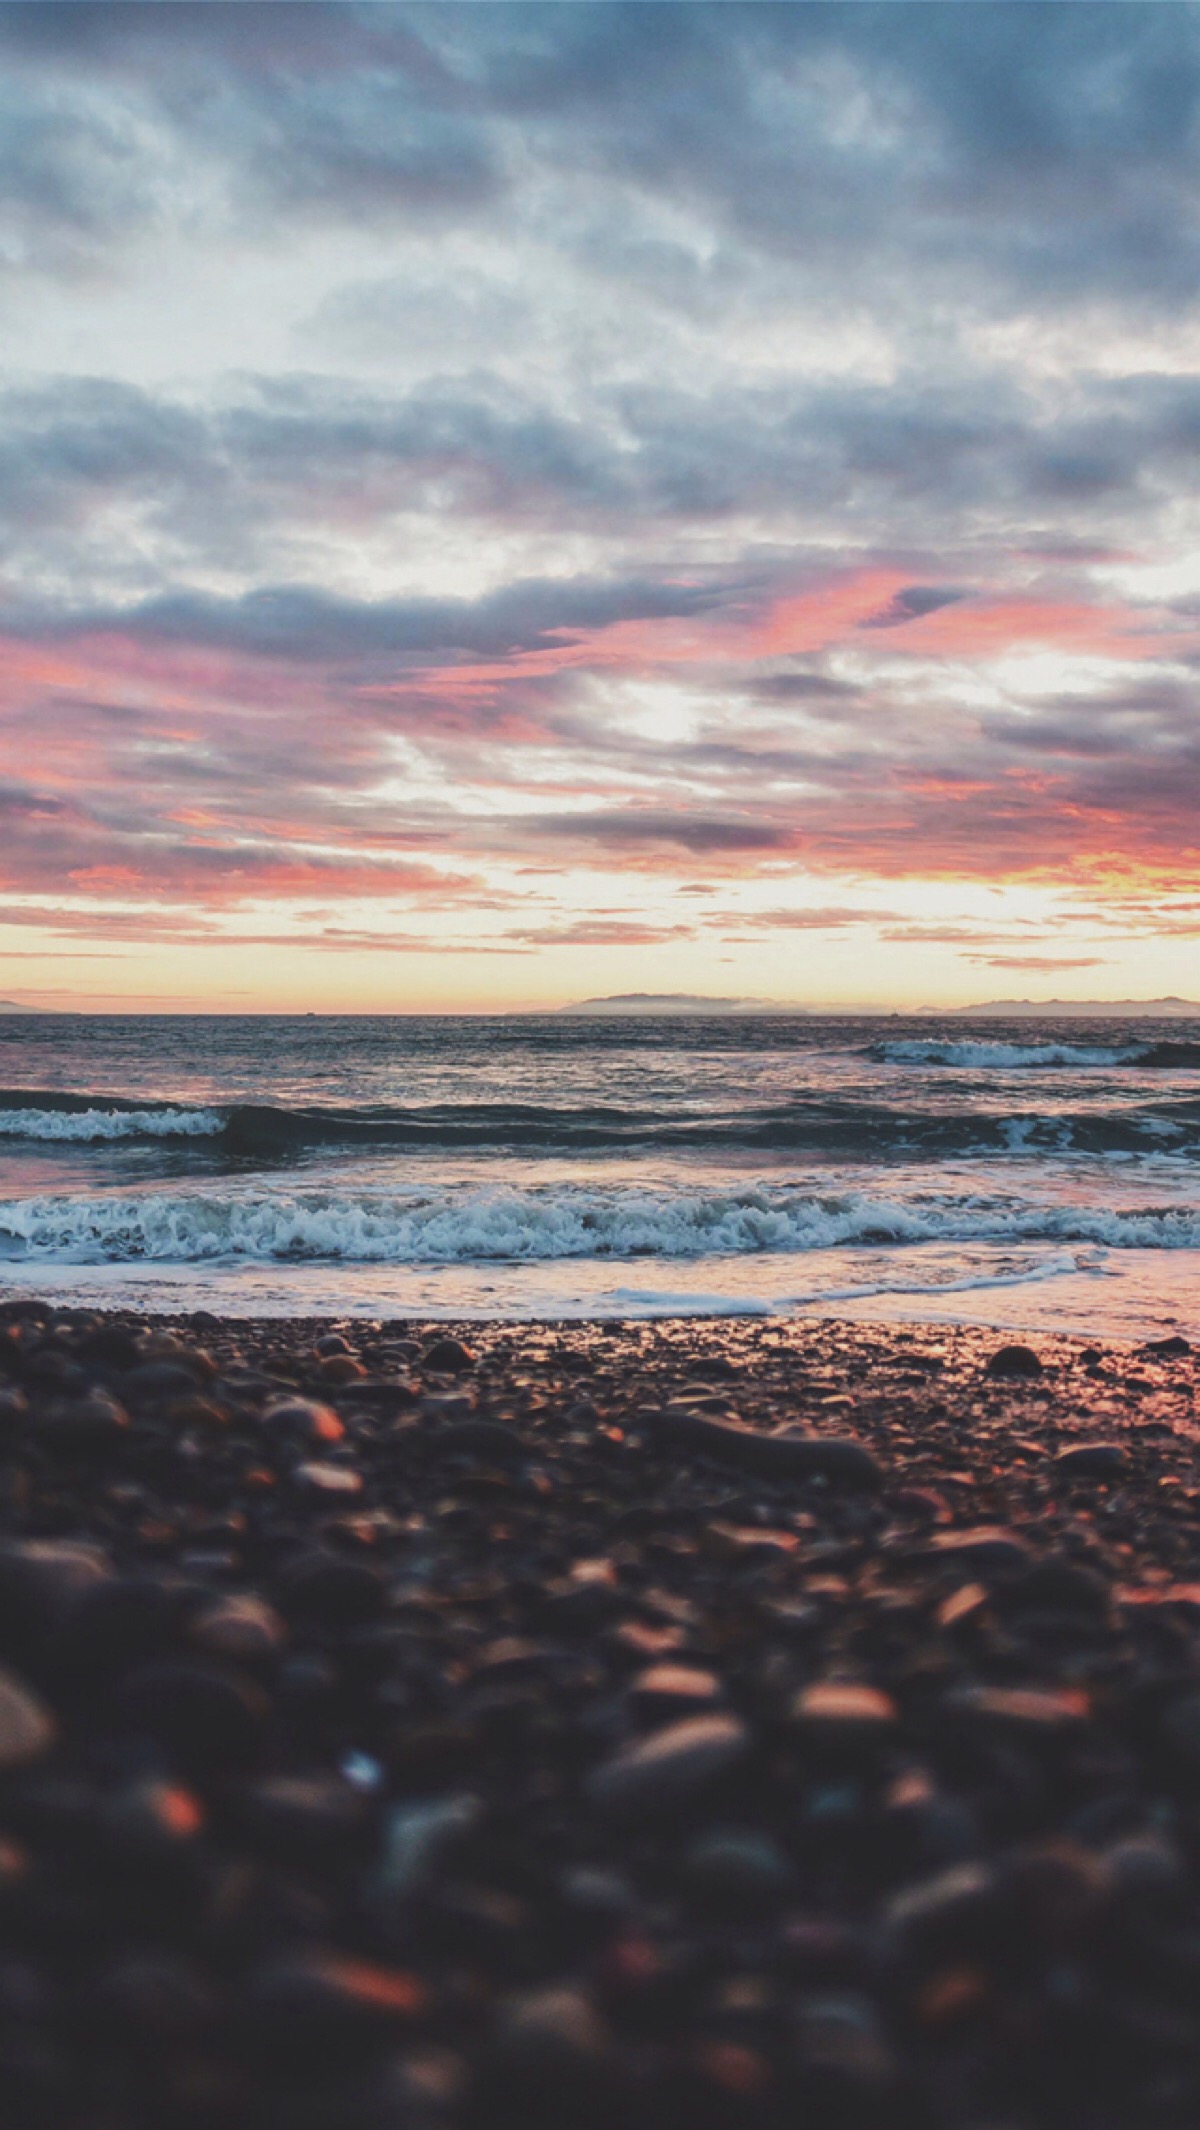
(1037,961)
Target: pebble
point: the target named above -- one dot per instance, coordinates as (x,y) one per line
(838,1460)
(27,1727)
(447,1357)
(841,1716)
(333,1479)
(600,1759)
(210,1721)
(674,1689)
(1014,1361)
(669,1766)
(988,1546)
(304,1419)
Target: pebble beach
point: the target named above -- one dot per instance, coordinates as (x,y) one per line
(439,1727)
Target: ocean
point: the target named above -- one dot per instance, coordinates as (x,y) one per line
(1020,1173)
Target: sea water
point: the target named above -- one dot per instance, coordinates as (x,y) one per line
(1022,1172)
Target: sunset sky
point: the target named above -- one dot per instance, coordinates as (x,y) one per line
(504,503)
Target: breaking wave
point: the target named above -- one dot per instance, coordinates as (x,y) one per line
(549,1222)
(823,1125)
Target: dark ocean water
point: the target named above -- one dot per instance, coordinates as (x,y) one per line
(1016,1171)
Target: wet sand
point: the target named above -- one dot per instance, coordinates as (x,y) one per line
(621,1727)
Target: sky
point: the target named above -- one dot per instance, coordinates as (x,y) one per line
(501,504)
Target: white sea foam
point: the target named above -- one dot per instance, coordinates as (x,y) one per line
(1005,1056)
(538,1225)
(90,1125)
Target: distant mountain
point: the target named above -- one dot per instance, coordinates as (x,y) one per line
(675,1002)
(9,1005)
(1150,1009)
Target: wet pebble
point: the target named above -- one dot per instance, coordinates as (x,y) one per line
(669,1766)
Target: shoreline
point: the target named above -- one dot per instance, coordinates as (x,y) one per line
(626,1725)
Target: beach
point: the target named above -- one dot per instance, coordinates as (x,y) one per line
(432,1726)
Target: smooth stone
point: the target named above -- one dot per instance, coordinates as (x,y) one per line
(1014,1361)
(243,1629)
(836,1459)
(14,1408)
(447,1357)
(1168,1349)
(844,2060)
(27,1727)
(985,1546)
(478,1438)
(942,1914)
(673,1689)
(211,1721)
(301,1817)
(330,1590)
(319,1999)
(734,1868)
(155,1380)
(418,1835)
(669,1766)
(1092,1460)
(42,1581)
(151,1818)
(843,1715)
(447,1405)
(91,1423)
(1027,1711)
(1058,1584)
(332,1479)
(304,1418)
(340,1369)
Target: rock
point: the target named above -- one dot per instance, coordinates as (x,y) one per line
(244,1629)
(548,2062)
(1091,1460)
(951,1913)
(478,1438)
(846,2068)
(1014,1361)
(158,1382)
(341,1368)
(84,1425)
(328,1589)
(674,1690)
(210,1721)
(669,1767)
(1057,1584)
(304,1420)
(14,1408)
(316,2002)
(331,1479)
(447,1357)
(41,1581)
(418,1835)
(841,1717)
(738,1871)
(1022,1711)
(27,1728)
(304,1818)
(151,1818)
(1168,1349)
(838,1460)
(987,1546)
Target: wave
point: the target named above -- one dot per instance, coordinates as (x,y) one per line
(1005,1057)
(91,1125)
(549,1222)
(821,1125)
(1168,1056)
